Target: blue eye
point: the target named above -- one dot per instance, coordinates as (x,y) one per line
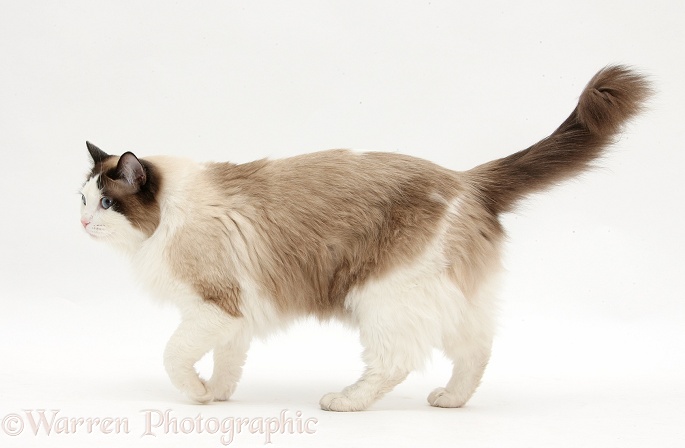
(106,203)
(83,199)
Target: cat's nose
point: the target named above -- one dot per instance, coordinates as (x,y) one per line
(85,222)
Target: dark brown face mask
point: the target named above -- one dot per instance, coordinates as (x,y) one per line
(129,186)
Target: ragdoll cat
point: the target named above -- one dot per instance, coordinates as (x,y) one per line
(403,249)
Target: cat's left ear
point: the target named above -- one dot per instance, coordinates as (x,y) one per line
(97,154)
(130,170)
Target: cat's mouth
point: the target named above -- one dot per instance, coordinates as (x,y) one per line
(96,231)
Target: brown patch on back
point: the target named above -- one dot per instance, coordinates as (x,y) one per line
(309,228)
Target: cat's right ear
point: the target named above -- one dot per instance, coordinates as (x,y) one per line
(97,154)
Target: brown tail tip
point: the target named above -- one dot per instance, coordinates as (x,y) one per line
(613,96)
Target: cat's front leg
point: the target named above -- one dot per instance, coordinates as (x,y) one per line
(201,329)
(229,359)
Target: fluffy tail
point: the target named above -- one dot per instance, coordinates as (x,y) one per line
(612,97)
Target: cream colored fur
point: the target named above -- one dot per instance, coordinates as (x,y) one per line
(403,249)
(401,315)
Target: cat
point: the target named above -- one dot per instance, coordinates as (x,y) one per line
(404,250)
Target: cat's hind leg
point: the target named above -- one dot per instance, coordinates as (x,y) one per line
(397,335)
(469,364)
(468,345)
(387,364)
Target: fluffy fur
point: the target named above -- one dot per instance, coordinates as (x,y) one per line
(401,248)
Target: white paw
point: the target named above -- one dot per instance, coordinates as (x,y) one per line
(198,392)
(339,402)
(220,391)
(442,398)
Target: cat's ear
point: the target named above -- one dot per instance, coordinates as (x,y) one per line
(130,170)
(97,154)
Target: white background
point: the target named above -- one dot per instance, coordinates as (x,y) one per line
(590,350)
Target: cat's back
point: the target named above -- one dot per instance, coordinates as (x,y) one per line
(335,177)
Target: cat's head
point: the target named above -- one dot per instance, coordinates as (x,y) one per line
(119,201)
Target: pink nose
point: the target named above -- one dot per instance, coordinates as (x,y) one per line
(85,222)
